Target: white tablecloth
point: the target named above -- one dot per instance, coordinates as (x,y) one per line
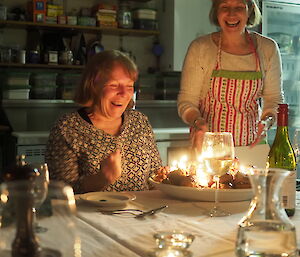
(114,236)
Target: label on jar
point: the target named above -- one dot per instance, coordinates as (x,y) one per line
(52,55)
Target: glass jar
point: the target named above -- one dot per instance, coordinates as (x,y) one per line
(125,15)
(266,229)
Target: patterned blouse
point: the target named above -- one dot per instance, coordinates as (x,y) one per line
(76,148)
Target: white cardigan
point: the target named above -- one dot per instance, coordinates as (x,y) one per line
(200,61)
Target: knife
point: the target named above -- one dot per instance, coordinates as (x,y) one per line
(151,212)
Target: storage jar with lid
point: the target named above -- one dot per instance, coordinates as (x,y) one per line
(125,15)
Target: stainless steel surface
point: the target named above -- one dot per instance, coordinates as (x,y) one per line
(35,115)
(161,113)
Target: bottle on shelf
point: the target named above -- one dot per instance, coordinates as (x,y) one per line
(282,156)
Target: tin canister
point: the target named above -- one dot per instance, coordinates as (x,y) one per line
(22,56)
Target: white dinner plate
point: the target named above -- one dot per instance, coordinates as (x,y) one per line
(203,194)
(107,199)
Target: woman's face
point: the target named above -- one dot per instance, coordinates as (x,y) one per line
(116,93)
(233,15)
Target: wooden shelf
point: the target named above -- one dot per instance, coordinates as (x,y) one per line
(75,28)
(42,66)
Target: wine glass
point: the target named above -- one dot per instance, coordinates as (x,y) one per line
(218,156)
(40,191)
(296,144)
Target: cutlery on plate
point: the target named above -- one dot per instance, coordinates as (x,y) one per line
(151,212)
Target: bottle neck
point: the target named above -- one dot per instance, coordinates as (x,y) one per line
(282,119)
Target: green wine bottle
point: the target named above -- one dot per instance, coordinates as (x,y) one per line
(282,156)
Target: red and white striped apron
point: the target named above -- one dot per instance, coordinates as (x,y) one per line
(231,105)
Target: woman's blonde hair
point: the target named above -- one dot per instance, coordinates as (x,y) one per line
(97,72)
(253,20)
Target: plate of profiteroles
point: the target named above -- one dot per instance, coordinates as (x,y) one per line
(182,184)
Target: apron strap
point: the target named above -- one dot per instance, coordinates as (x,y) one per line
(252,48)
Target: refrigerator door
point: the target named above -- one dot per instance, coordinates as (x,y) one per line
(281,21)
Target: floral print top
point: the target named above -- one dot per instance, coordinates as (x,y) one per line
(76,148)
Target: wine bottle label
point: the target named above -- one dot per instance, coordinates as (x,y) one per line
(288,192)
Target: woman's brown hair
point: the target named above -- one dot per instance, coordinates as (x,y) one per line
(253,20)
(99,68)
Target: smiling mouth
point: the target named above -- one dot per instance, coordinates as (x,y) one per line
(231,24)
(117,104)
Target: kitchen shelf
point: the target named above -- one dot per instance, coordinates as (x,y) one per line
(42,66)
(76,28)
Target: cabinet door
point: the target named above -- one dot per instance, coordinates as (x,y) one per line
(180,23)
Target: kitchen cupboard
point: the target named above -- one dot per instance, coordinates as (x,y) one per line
(181,22)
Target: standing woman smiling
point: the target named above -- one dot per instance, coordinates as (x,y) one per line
(105,145)
(231,79)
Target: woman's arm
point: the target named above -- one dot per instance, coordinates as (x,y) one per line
(196,71)
(272,91)
(61,159)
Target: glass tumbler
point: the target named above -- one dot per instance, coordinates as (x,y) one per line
(18,237)
(266,229)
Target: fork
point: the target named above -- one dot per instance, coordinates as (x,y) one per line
(135,212)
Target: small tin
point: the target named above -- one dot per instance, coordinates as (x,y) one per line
(51,57)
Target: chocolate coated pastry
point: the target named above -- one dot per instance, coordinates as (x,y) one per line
(175,177)
(226,179)
(187,181)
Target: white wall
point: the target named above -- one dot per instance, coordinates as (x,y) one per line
(181,22)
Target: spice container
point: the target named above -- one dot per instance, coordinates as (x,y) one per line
(66,57)
(33,56)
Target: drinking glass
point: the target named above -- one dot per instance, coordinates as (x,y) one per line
(57,213)
(172,243)
(296,144)
(218,156)
(40,191)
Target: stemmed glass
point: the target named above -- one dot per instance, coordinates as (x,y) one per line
(218,156)
(40,183)
(296,144)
